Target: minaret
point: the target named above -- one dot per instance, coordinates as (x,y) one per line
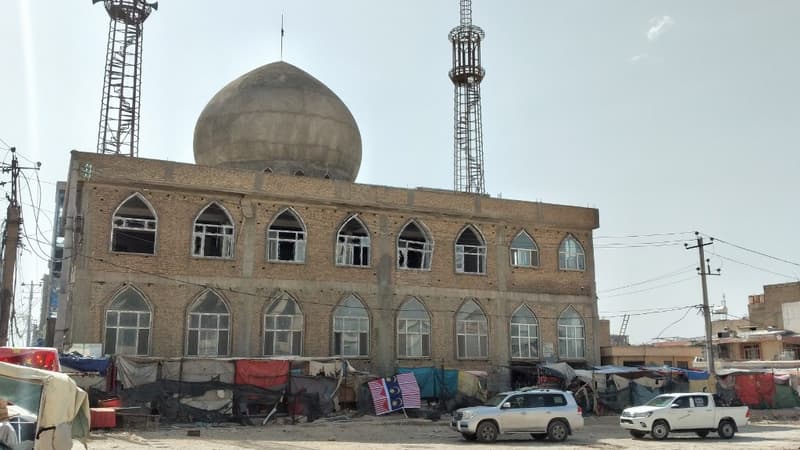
(119,109)
(466,75)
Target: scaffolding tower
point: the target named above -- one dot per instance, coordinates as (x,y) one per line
(119,108)
(466,75)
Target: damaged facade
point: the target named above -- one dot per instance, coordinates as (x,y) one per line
(267,247)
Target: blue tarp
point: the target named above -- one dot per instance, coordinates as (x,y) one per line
(434,382)
(85,364)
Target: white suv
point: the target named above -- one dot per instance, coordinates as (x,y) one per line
(544,413)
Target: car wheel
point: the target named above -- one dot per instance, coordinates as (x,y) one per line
(660,430)
(469,437)
(557,430)
(486,432)
(726,429)
(637,434)
(539,436)
(702,434)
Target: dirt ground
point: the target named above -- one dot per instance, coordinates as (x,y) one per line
(398,433)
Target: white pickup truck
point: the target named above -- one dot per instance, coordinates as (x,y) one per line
(697,412)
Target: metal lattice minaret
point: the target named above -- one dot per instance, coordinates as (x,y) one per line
(119,109)
(466,75)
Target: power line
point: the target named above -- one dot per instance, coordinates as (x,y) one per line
(650,288)
(791,277)
(676,233)
(759,253)
(660,277)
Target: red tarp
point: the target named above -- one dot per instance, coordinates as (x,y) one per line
(755,390)
(265,374)
(37,357)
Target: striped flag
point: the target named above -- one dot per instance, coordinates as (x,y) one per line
(409,390)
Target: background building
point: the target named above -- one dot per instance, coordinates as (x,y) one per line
(777,307)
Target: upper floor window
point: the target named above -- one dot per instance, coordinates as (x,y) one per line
(286,238)
(413,330)
(524,252)
(209,326)
(283,327)
(352,244)
(524,334)
(213,233)
(571,255)
(351,328)
(133,227)
(470,252)
(128,324)
(414,248)
(571,340)
(472,331)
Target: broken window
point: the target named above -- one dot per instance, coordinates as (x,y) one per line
(283,327)
(213,233)
(524,252)
(413,330)
(352,244)
(286,238)
(351,328)
(209,326)
(524,334)
(414,248)
(571,255)
(133,227)
(128,325)
(470,252)
(472,337)
(571,341)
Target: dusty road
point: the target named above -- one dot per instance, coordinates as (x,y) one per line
(398,433)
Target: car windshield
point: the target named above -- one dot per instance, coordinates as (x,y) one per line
(497,400)
(661,400)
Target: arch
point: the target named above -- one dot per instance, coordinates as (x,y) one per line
(213,233)
(134,225)
(128,323)
(470,251)
(571,255)
(286,237)
(299,173)
(524,251)
(413,330)
(208,322)
(414,246)
(524,334)
(268,170)
(350,328)
(283,326)
(571,334)
(353,243)
(472,331)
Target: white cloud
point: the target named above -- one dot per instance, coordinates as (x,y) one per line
(639,57)
(659,26)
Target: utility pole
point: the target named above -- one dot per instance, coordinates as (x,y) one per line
(13,222)
(31,286)
(703,270)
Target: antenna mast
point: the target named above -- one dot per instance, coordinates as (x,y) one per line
(119,108)
(466,75)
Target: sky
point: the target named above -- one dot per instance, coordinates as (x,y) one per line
(668,116)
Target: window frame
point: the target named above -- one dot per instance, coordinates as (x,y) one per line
(275,330)
(462,251)
(513,251)
(426,251)
(199,328)
(567,339)
(345,249)
(529,337)
(146,222)
(579,256)
(747,351)
(462,329)
(363,332)
(424,338)
(300,240)
(119,328)
(226,233)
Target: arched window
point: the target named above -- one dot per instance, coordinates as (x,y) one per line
(524,334)
(213,233)
(352,244)
(209,326)
(472,337)
(133,227)
(470,252)
(413,330)
(414,248)
(283,327)
(524,252)
(128,324)
(351,328)
(571,341)
(571,255)
(286,238)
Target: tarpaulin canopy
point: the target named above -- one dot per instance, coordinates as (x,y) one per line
(199,370)
(434,382)
(84,364)
(262,373)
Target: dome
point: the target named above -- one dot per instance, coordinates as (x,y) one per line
(279,119)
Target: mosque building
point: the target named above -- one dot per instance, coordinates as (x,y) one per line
(267,247)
